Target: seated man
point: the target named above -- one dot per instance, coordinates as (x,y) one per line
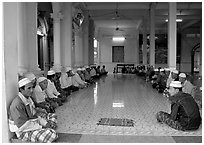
(24,121)
(187,87)
(184,114)
(161,80)
(103,70)
(71,87)
(64,80)
(40,96)
(51,90)
(78,82)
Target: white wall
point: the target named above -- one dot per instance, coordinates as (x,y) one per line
(10,62)
(130,51)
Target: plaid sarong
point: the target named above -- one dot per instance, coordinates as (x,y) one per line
(45,135)
(164,117)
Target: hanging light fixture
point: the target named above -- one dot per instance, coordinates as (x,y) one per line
(121,38)
(177,20)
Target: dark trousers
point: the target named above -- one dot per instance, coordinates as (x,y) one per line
(164,117)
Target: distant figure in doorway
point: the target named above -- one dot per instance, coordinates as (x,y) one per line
(103,70)
(184,114)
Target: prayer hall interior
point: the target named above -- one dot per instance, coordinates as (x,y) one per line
(122,54)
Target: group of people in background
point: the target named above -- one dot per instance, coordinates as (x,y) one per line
(32,112)
(185,114)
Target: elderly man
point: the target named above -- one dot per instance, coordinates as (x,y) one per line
(77,81)
(187,87)
(51,90)
(184,114)
(64,80)
(40,96)
(71,87)
(23,119)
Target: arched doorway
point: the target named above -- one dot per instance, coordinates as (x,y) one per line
(195,59)
(43,54)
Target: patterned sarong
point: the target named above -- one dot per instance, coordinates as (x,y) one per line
(165,117)
(45,135)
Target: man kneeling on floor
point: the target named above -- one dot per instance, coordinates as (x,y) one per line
(184,114)
(23,119)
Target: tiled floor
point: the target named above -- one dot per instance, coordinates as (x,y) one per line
(117,96)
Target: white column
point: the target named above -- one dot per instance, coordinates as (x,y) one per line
(66,35)
(10,62)
(85,34)
(78,50)
(137,48)
(57,16)
(22,38)
(144,46)
(31,23)
(172,35)
(152,34)
(91,41)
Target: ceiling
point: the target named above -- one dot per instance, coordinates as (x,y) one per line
(129,16)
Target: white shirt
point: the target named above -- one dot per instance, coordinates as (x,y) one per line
(64,80)
(29,102)
(51,90)
(76,80)
(40,95)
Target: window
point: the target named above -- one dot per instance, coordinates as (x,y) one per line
(117,53)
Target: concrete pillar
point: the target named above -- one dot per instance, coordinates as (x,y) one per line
(57,16)
(66,34)
(152,34)
(172,35)
(85,36)
(22,38)
(10,62)
(200,68)
(137,48)
(78,49)
(91,42)
(31,29)
(144,46)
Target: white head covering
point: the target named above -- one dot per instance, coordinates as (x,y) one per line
(161,69)
(79,69)
(57,69)
(40,79)
(23,82)
(176,84)
(68,69)
(30,76)
(175,71)
(83,69)
(183,75)
(167,69)
(50,72)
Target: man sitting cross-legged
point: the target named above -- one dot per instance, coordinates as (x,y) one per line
(24,121)
(184,114)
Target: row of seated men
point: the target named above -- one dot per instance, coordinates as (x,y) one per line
(32,112)
(185,114)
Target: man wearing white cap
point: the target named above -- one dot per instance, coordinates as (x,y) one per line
(40,96)
(187,87)
(65,80)
(184,114)
(32,78)
(51,90)
(77,81)
(23,119)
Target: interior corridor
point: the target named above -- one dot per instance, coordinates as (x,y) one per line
(118,96)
